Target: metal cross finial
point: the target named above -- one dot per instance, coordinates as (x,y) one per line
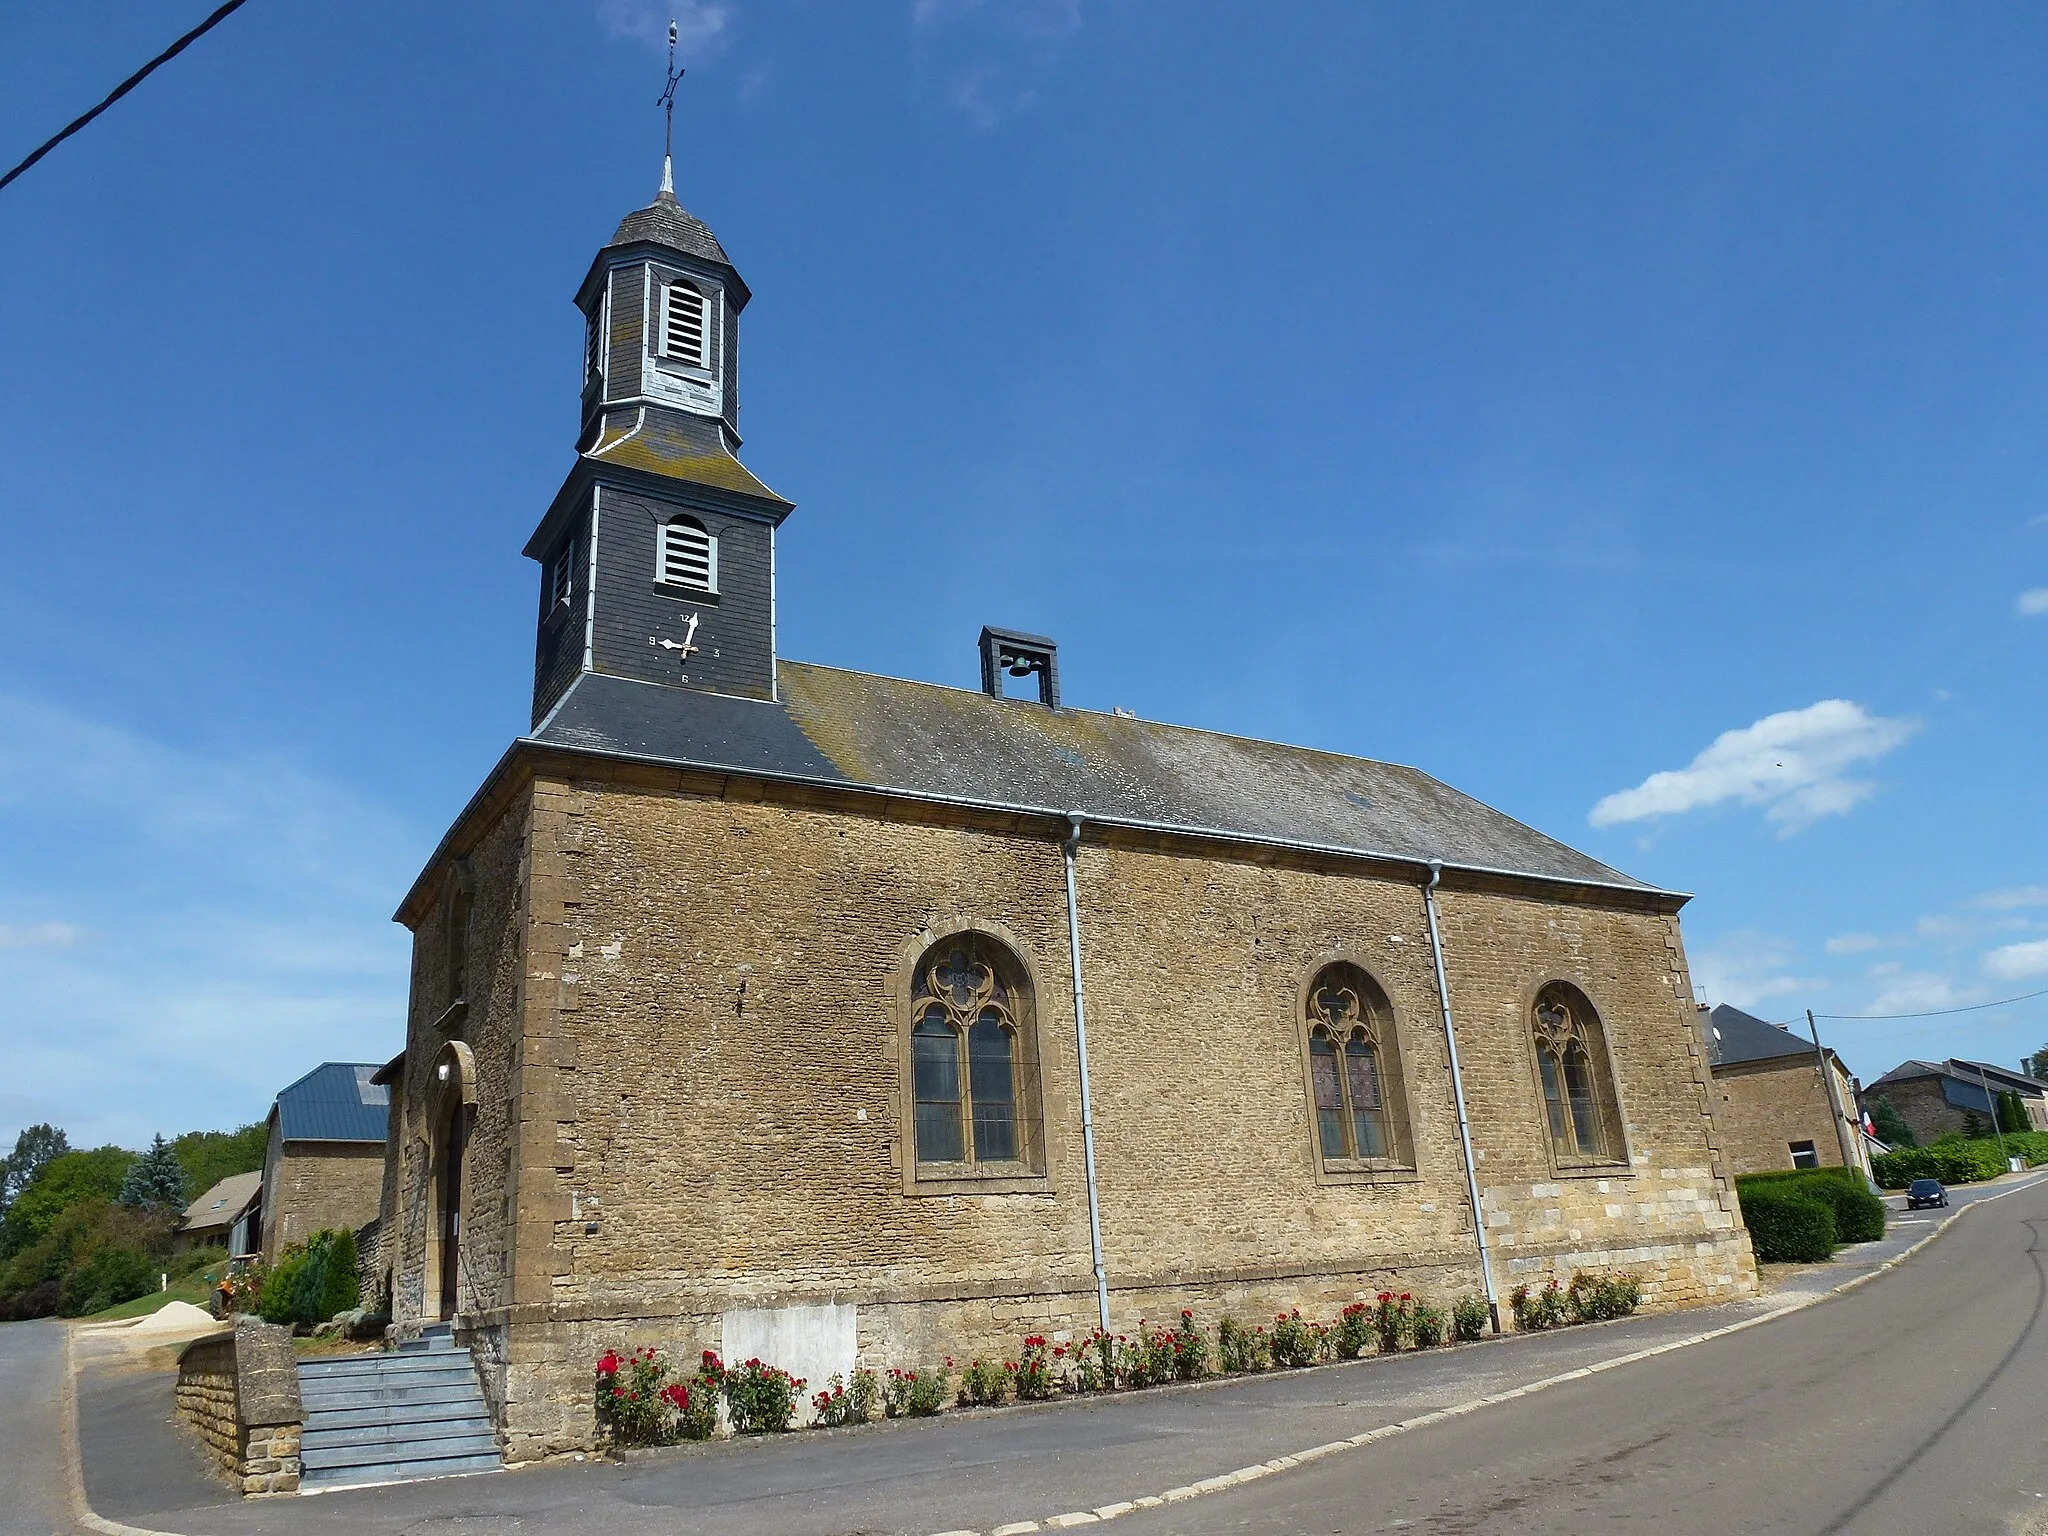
(667,102)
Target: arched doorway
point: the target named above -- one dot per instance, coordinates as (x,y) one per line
(453,1108)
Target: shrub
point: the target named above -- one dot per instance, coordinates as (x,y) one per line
(110,1276)
(1190,1349)
(1296,1342)
(340,1286)
(761,1398)
(1859,1215)
(1239,1348)
(1469,1317)
(1095,1363)
(842,1403)
(1538,1310)
(914,1394)
(1786,1226)
(1353,1332)
(1392,1320)
(1431,1325)
(984,1384)
(632,1409)
(1037,1370)
(1595,1300)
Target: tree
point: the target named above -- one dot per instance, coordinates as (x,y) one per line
(2036,1065)
(210,1156)
(1890,1125)
(33,1148)
(1973,1125)
(156,1181)
(71,1178)
(2012,1114)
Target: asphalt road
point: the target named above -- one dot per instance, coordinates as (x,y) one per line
(1911,1404)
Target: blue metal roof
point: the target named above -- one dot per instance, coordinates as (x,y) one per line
(336,1101)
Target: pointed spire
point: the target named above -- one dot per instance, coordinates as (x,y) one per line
(667,104)
(668,179)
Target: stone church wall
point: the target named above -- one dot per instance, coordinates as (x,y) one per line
(708,1091)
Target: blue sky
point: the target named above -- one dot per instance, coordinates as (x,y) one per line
(1631,415)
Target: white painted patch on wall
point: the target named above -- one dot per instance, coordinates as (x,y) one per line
(814,1342)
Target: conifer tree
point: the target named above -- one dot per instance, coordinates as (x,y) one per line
(1890,1125)
(156,1182)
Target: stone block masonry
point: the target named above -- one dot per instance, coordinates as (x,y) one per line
(693,1101)
(240,1392)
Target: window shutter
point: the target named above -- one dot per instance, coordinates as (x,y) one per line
(689,556)
(684,328)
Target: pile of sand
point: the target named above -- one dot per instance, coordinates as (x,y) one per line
(176,1317)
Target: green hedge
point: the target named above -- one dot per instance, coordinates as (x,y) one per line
(1787,1224)
(1955,1162)
(1858,1214)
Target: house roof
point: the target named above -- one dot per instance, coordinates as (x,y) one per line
(2005,1077)
(1741,1037)
(1961,1082)
(963,746)
(336,1101)
(222,1205)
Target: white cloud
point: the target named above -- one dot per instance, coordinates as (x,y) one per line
(1791,762)
(1907,991)
(1853,943)
(1941,926)
(2032,603)
(1746,969)
(700,24)
(988,54)
(2013,896)
(2015,962)
(39,935)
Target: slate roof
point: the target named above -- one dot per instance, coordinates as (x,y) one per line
(1740,1037)
(666,222)
(336,1101)
(221,1205)
(956,744)
(1965,1073)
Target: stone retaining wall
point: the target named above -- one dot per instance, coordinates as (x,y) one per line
(240,1390)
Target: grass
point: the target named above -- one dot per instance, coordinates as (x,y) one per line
(197,1288)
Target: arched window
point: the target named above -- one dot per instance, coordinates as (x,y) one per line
(688,556)
(1571,1067)
(971,1058)
(1354,1067)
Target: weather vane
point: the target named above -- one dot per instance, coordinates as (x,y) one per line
(668,107)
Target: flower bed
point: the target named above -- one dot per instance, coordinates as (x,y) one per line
(641,1401)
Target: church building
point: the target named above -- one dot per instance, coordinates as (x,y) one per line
(785,1010)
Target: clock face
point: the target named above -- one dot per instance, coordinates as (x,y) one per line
(689,644)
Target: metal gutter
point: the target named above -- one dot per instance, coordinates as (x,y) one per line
(1443,992)
(1069,847)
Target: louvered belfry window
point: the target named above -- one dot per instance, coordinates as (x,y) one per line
(685,325)
(562,577)
(689,555)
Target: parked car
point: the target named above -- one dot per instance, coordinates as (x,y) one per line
(1925,1192)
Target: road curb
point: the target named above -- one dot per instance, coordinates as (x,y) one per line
(1237,1479)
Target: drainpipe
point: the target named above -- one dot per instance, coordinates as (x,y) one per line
(1069,848)
(1443,992)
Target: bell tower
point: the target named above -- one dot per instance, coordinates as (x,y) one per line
(657,556)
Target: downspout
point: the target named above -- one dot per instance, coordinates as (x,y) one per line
(1070,847)
(1443,992)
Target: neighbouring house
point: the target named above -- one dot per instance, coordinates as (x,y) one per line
(229,1215)
(324,1166)
(1937,1097)
(1776,1108)
(748,995)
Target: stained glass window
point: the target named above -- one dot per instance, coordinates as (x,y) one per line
(1351,1069)
(967,1036)
(1577,1101)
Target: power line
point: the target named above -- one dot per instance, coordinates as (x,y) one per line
(126,86)
(1932,1013)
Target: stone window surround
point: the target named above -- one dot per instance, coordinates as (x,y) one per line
(956,1179)
(1392,1170)
(1620,1161)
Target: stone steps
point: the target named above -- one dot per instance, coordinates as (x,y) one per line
(400,1416)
